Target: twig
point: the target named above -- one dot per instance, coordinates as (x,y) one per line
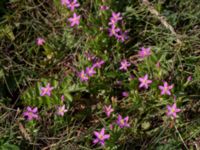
(181,138)
(24,132)
(162,19)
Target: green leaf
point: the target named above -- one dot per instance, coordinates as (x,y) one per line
(8,146)
(1,73)
(68,96)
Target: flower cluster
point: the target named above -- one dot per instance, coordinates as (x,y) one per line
(114,30)
(72,4)
(121,122)
(165,89)
(90,71)
(32,113)
(144,81)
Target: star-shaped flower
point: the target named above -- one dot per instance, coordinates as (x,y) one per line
(172,110)
(144,52)
(90,71)
(122,122)
(101,137)
(108,110)
(113,31)
(83,76)
(75,20)
(144,82)
(72,4)
(115,18)
(166,88)
(46,90)
(61,110)
(31,113)
(124,65)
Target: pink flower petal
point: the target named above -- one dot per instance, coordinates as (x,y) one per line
(96,133)
(102,132)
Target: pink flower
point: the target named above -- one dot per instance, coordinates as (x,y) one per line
(108,110)
(115,18)
(46,90)
(172,110)
(90,71)
(40,41)
(101,137)
(83,76)
(61,110)
(144,52)
(125,94)
(124,65)
(166,88)
(98,64)
(122,122)
(75,20)
(72,4)
(113,31)
(31,114)
(144,82)
(104,7)
(122,36)
(112,22)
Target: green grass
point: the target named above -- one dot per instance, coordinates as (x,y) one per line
(24,67)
